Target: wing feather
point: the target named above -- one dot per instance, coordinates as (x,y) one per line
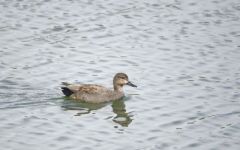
(86,88)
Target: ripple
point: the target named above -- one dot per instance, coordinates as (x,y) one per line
(184,61)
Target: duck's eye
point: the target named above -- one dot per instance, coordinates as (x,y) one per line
(121,77)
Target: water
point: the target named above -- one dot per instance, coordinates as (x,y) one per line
(183,55)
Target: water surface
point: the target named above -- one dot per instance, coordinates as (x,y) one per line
(183,55)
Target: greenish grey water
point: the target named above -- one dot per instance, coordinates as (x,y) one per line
(183,55)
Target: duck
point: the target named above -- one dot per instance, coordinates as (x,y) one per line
(93,93)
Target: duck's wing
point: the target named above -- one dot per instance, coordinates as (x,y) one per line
(91,89)
(84,88)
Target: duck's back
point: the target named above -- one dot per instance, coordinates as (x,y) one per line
(92,93)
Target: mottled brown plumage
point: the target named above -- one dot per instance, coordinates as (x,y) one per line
(96,93)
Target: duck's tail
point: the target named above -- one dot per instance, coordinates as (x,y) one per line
(66,91)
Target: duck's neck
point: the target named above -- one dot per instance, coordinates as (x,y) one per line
(118,88)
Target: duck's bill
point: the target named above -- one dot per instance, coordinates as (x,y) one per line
(131,84)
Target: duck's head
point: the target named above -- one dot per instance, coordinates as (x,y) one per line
(121,79)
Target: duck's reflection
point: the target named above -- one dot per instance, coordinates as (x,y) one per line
(80,107)
(122,117)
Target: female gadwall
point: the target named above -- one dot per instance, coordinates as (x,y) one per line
(96,93)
